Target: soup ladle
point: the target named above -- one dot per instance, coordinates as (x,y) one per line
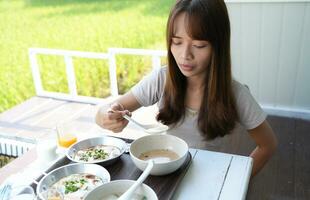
(128,194)
(151,129)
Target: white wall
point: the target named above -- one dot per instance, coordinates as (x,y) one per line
(271,51)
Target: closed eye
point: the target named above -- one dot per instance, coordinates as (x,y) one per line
(200,46)
(176,42)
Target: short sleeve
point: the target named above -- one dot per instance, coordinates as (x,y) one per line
(150,89)
(250,113)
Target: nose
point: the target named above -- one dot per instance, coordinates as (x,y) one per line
(186,52)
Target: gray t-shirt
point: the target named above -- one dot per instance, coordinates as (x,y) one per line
(151,88)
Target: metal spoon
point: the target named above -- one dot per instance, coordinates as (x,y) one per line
(128,194)
(151,129)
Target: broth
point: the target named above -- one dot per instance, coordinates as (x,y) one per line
(159,155)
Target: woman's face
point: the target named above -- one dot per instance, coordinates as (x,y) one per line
(192,56)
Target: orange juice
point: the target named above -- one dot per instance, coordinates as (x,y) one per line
(66,140)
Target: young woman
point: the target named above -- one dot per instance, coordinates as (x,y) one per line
(195,92)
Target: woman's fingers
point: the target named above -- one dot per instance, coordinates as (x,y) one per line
(117,107)
(114,115)
(112,119)
(118,126)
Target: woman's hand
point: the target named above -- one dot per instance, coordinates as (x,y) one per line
(111,118)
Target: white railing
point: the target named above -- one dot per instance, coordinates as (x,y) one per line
(68,55)
(13,146)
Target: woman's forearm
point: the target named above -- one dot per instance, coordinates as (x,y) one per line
(266,145)
(260,156)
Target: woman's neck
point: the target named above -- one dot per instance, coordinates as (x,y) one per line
(195,83)
(194,93)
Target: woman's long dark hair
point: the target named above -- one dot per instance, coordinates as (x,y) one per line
(206,20)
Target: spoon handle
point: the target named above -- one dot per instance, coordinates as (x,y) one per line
(135,122)
(132,189)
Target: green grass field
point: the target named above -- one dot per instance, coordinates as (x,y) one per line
(89,25)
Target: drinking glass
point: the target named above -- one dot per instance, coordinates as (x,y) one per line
(66,134)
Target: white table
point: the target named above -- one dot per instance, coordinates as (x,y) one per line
(214,175)
(211,176)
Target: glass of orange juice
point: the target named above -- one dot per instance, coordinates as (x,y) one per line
(66,134)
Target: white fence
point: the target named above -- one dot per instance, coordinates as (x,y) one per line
(68,55)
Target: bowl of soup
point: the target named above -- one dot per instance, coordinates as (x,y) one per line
(72,181)
(114,189)
(104,150)
(168,152)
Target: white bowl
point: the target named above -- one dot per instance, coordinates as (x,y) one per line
(91,142)
(76,168)
(156,142)
(119,187)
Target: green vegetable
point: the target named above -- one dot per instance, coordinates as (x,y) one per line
(71,186)
(96,154)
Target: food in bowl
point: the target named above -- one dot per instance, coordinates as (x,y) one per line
(159,155)
(159,144)
(114,189)
(73,186)
(104,150)
(97,153)
(71,181)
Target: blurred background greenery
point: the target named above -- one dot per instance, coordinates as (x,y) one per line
(83,25)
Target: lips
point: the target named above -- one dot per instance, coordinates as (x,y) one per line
(186,67)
